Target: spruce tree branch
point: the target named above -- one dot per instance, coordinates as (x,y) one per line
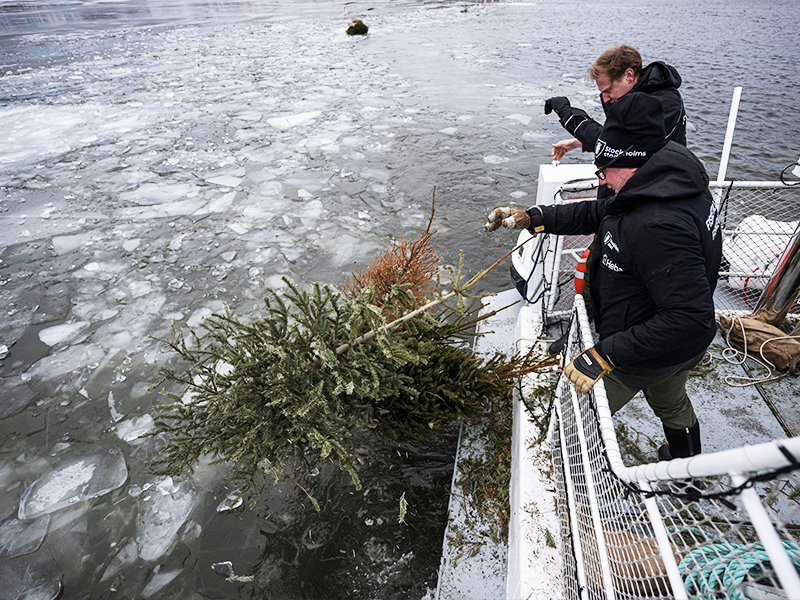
(456,292)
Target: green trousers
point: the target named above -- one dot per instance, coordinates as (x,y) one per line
(668,398)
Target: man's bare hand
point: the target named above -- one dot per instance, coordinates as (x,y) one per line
(512,218)
(564,146)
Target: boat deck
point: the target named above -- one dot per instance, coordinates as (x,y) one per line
(730,416)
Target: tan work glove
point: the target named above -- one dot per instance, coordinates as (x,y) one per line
(587,369)
(512,218)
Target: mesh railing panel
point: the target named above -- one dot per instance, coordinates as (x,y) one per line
(711,536)
(757,221)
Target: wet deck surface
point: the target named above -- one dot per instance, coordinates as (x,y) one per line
(730,416)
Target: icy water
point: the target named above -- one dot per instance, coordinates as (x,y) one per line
(161,160)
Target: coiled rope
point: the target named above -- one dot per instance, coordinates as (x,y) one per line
(731,354)
(721,568)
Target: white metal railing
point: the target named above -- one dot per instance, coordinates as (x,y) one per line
(718,525)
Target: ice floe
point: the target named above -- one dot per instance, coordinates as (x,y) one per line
(73,481)
(18,538)
(161,516)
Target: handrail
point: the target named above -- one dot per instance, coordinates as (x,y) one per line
(585,186)
(747,459)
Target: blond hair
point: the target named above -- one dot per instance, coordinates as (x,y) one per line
(614,62)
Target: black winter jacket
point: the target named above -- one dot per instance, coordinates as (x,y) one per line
(655,262)
(658,80)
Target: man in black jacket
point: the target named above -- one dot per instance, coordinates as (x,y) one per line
(655,267)
(616,72)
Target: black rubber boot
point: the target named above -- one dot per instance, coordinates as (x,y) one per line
(681,443)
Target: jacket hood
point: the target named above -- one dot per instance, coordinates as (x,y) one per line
(656,76)
(672,173)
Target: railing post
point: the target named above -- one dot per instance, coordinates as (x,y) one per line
(767,535)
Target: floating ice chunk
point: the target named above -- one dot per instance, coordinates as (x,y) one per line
(518,194)
(524,119)
(42,580)
(493,159)
(148,194)
(250,115)
(160,519)
(132,430)
(74,481)
(225,180)
(59,448)
(198,316)
(126,556)
(140,288)
(176,242)
(18,538)
(112,406)
(449,130)
(224,568)
(63,362)
(232,501)
(159,211)
(167,486)
(63,244)
(228,256)
(16,396)
(158,581)
(131,245)
(290,121)
(67,333)
(238,228)
(221,204)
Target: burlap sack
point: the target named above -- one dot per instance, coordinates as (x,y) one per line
(781,350)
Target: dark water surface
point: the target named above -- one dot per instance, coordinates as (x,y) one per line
(161,160)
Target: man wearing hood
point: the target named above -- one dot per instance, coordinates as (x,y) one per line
(618,71)
(655,266)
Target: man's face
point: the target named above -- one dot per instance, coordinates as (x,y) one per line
(616,178)
(613,90)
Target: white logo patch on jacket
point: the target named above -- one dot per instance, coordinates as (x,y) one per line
(608,241)
(610,264)
(712,222)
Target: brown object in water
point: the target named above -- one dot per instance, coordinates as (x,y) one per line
(764,340)
(357,28)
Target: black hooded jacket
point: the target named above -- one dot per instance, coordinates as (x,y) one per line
(655,263)
(658,80)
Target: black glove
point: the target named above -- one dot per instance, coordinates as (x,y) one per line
(558,104)
(570,118)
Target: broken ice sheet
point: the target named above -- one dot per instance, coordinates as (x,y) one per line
(226,570)
(133,430)
(161,517)
(233,501)
(75,480)
(158,581)
(112,407)
(125,557)
(42,580)
(18,538)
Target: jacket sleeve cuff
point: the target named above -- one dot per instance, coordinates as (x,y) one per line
(604,349)
(537,219)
